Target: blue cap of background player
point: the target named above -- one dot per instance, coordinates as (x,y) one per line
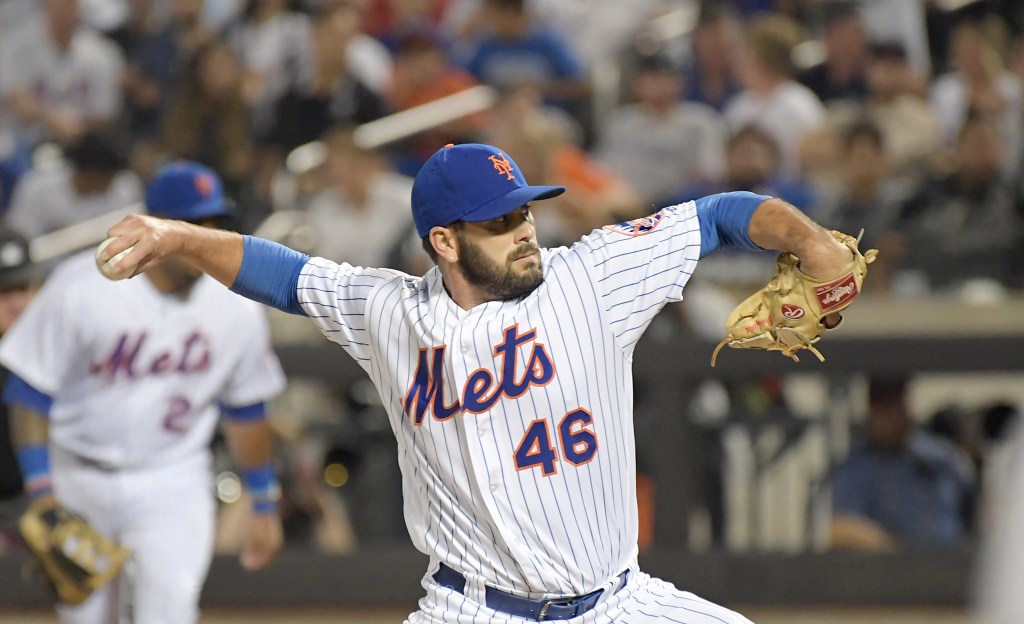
(470,182)
(187,191)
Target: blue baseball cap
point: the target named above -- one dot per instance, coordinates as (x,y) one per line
(187,191)
(470,182)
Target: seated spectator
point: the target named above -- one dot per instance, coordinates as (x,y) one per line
(773,100)
(423,73)
(272,46)
(193,27)
(896,104)
(841,75)
(366,58)
(979,85)
(659,142)
(90,181)
(330,94)
(966,222)
(752,163)
(820,153)
(160,46)
(598,31)
(516,52)
(869,197)
(392,21)
(902,487)
(906,24)
(61,79)
(208,121)
(155,50)
(540,143)
(712,76)
(364,212)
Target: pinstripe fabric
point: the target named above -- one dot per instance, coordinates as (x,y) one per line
(470,502)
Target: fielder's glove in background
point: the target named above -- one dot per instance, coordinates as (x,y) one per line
(74,557)
(789,313)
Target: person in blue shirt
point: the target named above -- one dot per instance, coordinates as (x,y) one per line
(902,487)
(753,161)
(516,51)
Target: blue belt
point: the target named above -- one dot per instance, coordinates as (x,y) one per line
(539,610)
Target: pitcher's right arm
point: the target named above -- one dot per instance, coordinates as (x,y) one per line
(256,268)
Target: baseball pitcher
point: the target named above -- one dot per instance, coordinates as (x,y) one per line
(506,372)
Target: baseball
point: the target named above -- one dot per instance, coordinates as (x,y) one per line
(110,268)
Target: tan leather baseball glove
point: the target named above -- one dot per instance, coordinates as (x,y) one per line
(75,558)
(789,313)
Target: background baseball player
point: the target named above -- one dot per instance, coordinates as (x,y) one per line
(506,374)
(19,280)
(118,386)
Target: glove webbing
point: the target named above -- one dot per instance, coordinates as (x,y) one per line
(71,547)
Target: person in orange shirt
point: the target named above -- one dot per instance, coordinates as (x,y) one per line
(424,73)
(542,139)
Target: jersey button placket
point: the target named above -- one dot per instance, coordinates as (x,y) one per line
(461,357)
(484,465)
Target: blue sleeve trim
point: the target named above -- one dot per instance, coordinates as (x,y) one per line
(246,413)
(270,274)
(725,220)
(34,461)
(17,391)
(263,487)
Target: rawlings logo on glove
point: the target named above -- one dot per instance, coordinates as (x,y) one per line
(837,294)
(788,314)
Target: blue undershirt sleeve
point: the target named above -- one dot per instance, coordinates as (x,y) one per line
(270,274)
(17,391)
(245,413)
(725,220)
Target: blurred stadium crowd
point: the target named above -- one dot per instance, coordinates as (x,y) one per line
(900,117)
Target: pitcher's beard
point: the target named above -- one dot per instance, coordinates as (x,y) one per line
(501,283)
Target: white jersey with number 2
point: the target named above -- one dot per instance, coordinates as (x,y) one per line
(514,419)
(138,376)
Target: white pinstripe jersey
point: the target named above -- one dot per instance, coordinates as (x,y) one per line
(514,418)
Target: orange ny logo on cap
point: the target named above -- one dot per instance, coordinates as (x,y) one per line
(204,184)
(502,165)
